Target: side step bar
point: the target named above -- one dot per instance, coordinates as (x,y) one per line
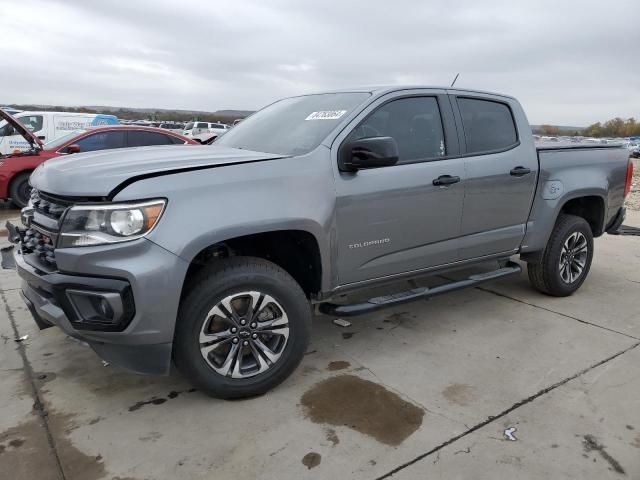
(626,230)
(422,293)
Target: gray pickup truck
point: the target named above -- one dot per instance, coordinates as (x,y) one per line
(215,256)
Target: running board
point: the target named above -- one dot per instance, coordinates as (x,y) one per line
(422,293)
(626,230)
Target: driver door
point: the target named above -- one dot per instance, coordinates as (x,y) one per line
(394,220)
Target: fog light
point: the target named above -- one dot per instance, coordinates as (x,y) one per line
(97,308)
(104,308)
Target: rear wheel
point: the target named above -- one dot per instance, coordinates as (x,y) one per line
(20,189)
(566,260)
(242,329)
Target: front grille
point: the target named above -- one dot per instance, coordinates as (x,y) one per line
(44,226)
(42,245)
(47,206)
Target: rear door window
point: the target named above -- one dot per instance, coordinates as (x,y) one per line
(102,141)
(488,125)
(144,139)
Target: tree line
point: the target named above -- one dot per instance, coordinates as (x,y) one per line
(616,127)
(126,114)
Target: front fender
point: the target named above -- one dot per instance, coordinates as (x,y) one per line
(210,206)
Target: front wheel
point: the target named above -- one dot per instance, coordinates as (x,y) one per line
(242,329)
(566,260)
(20,190)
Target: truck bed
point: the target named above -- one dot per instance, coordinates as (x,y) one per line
(573,146)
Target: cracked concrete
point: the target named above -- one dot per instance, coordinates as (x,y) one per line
(563,372)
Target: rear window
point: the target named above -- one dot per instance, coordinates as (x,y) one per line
(488,125)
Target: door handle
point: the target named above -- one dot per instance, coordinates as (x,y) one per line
(445,180)
(519,171)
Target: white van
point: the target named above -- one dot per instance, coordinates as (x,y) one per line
(48,126)
(193,129)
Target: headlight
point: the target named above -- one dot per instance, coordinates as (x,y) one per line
(85,225)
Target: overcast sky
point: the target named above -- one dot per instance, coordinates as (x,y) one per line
(569,62)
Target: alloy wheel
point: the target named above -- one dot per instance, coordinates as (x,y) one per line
(573,257)
(244,334)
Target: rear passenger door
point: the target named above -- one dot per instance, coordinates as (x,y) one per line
(394,220)
(501,172)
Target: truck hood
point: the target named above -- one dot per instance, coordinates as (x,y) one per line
(104,173)
(21,129)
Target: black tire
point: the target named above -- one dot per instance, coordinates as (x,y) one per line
(20,190)
(224,279)
(545,276)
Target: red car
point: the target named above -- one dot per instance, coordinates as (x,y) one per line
(16,168)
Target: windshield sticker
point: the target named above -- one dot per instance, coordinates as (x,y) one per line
(326,115)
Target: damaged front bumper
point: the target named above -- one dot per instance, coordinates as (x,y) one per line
(120,299)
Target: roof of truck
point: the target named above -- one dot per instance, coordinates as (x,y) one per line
(381,89)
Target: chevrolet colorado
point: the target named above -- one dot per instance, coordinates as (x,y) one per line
(212,256)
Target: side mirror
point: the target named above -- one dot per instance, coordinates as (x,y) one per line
(374,152)
(75,148)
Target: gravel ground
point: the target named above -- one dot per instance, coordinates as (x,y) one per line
(633,200)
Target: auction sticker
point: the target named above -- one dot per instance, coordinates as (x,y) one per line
(326,115)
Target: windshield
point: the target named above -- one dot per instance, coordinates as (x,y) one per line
(293,126)
(188,126)
(62,140)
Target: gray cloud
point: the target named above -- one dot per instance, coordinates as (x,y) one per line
(568,62)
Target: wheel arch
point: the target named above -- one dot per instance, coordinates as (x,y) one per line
(589,207)
(297,251)
(589,204)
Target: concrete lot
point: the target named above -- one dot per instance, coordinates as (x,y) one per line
(426,390)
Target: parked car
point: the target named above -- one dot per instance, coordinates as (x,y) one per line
(10,110)
(15,169)
(48,126)
(631,146)
(213,256)
(206,138)
(635,153)
(193,129)
(174,127)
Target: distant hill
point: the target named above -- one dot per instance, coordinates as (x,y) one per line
(556,129)
(128,113)
(228,113)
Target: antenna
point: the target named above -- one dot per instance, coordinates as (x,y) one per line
(454,80)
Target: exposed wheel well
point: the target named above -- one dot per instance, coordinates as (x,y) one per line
(296,251)
(591,209)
